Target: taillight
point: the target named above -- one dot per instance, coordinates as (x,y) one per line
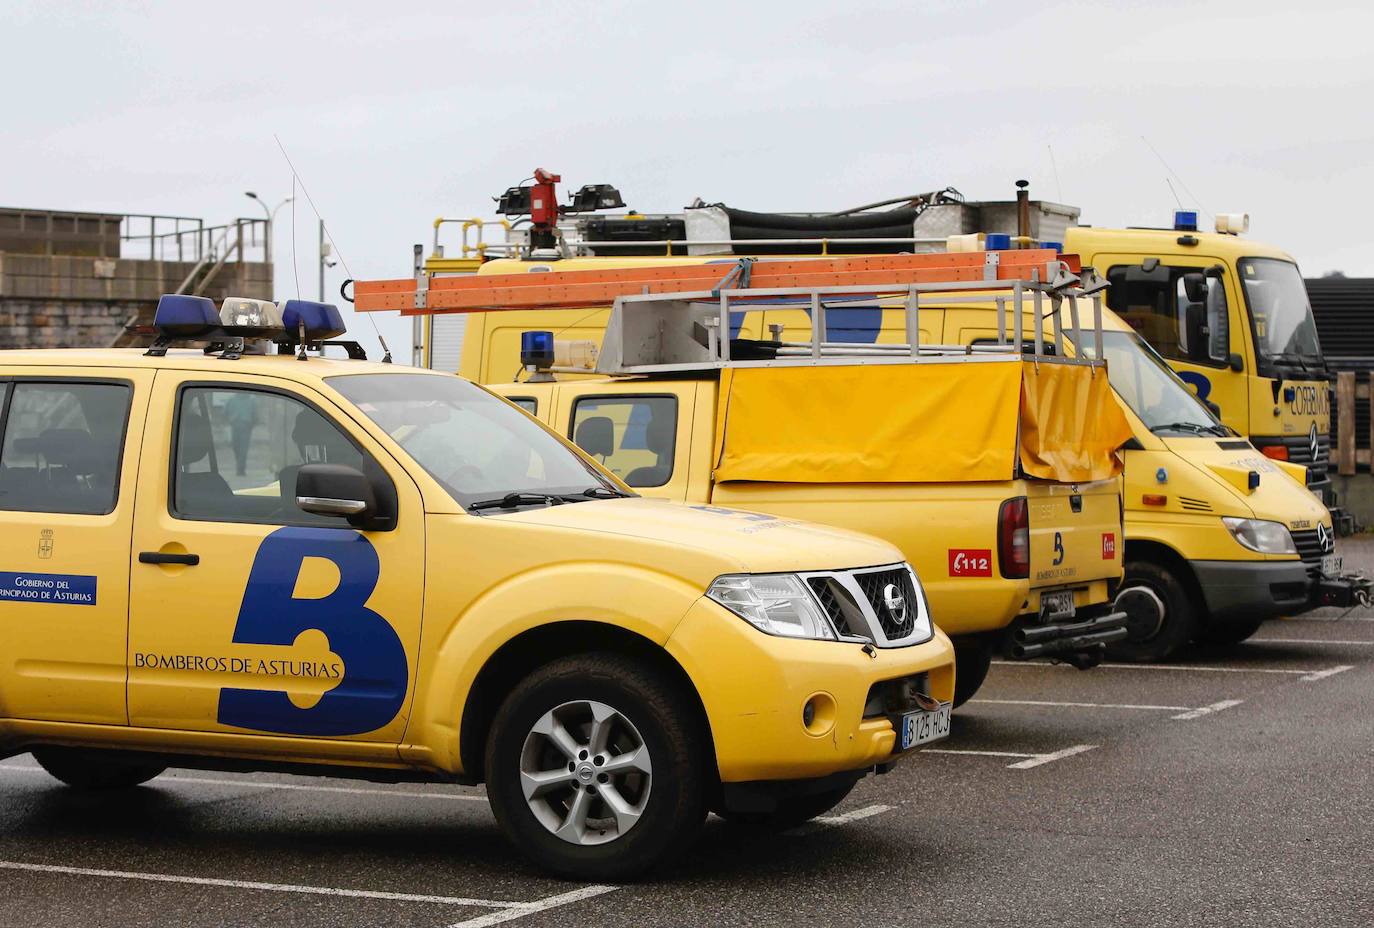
(1013,539)
(1277,452)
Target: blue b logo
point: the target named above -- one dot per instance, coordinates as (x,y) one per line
(375,669)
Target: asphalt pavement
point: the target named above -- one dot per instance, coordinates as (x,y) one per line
(1228,787)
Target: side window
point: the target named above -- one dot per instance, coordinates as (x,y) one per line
(1156,304)
(238,452)
(527,403)
(63,443)
(633,436)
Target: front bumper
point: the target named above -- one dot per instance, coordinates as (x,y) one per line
(755,687)
(1254,589)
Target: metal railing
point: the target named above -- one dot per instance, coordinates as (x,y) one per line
(190,240)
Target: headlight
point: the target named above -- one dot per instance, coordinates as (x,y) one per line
(1259,535)
(778,604)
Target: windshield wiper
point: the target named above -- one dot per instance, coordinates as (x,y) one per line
(1185,427)
(601,493)
(512,500)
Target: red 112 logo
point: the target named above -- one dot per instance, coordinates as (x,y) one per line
(970,562)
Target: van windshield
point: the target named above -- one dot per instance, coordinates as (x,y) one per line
(1280,314)
(1145,382)
(487,454)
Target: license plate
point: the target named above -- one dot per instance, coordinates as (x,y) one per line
(921,727)
(1331,564)
(1057,605)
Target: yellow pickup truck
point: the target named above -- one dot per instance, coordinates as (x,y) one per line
(233,559)
(997,479)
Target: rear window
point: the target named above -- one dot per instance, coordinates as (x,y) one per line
(62,446)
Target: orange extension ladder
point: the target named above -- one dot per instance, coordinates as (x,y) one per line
(587,288)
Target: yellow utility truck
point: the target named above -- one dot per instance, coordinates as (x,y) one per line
(248,556)
(998,478)
(1219,538)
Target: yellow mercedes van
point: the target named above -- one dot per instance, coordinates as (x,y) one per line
(249,556)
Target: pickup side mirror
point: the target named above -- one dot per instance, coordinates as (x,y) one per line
(340,490)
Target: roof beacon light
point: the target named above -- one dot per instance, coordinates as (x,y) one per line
(181,316)
(537,354)
(317,322)
(1233,223)
(1185,220)
(249,318)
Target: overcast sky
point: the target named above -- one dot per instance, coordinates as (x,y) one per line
(395,113)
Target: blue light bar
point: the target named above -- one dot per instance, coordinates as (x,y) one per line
(536,349)
(323,321)
(1185,220)
(997,241)
(182,316)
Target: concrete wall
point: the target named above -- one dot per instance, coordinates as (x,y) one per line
(71,301)
(1355,495)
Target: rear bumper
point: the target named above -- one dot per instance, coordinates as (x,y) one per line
(1254,589)
(1087,633)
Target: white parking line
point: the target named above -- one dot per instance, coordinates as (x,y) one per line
(830,821)
(1329,672)
(508,910)
(530,908)
(250,784)
(1028,760)
(1307,641)
(1075,705)
(1051,758)
(1208,710)
(1197,668)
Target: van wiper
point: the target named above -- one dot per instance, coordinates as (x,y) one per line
(1185,427)
(512,500)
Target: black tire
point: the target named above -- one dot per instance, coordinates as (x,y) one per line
(1162,616)
(1226,631)
(971,664)
(792,811)
(95,770)
(673,802)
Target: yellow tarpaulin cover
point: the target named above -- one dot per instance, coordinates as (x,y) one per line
(1060,442)
(916,423)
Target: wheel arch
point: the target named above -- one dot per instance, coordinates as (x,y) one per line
(1165,556)
(536,646)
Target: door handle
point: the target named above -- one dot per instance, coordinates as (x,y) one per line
(159,557)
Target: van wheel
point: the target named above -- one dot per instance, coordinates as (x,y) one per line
(971,664)
(1223,632)
(1160,616)
(95,770)
(792,811)
(596,768)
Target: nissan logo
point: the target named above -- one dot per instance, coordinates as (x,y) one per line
(1324,538)
(895,602)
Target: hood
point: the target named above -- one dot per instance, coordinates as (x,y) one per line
(1230,461)
(741,542)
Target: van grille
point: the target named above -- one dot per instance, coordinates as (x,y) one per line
(1311,549)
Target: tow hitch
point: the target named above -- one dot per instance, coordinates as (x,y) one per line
(1343,591)
(1078,643)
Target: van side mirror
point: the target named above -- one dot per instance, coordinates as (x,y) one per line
(1195,287)
(340,490)
(1195,323)
(1235,362)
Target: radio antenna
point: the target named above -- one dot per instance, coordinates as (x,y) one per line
(1177,178)
(324,227)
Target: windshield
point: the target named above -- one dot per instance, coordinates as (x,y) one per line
(479,448)
(1145,382)
(1279,312)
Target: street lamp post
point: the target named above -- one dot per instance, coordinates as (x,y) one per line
(271,218)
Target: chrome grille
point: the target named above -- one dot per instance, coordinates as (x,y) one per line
(828,592)
(875,584)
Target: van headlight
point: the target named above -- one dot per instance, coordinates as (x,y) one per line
(1259,535)
(778,604)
